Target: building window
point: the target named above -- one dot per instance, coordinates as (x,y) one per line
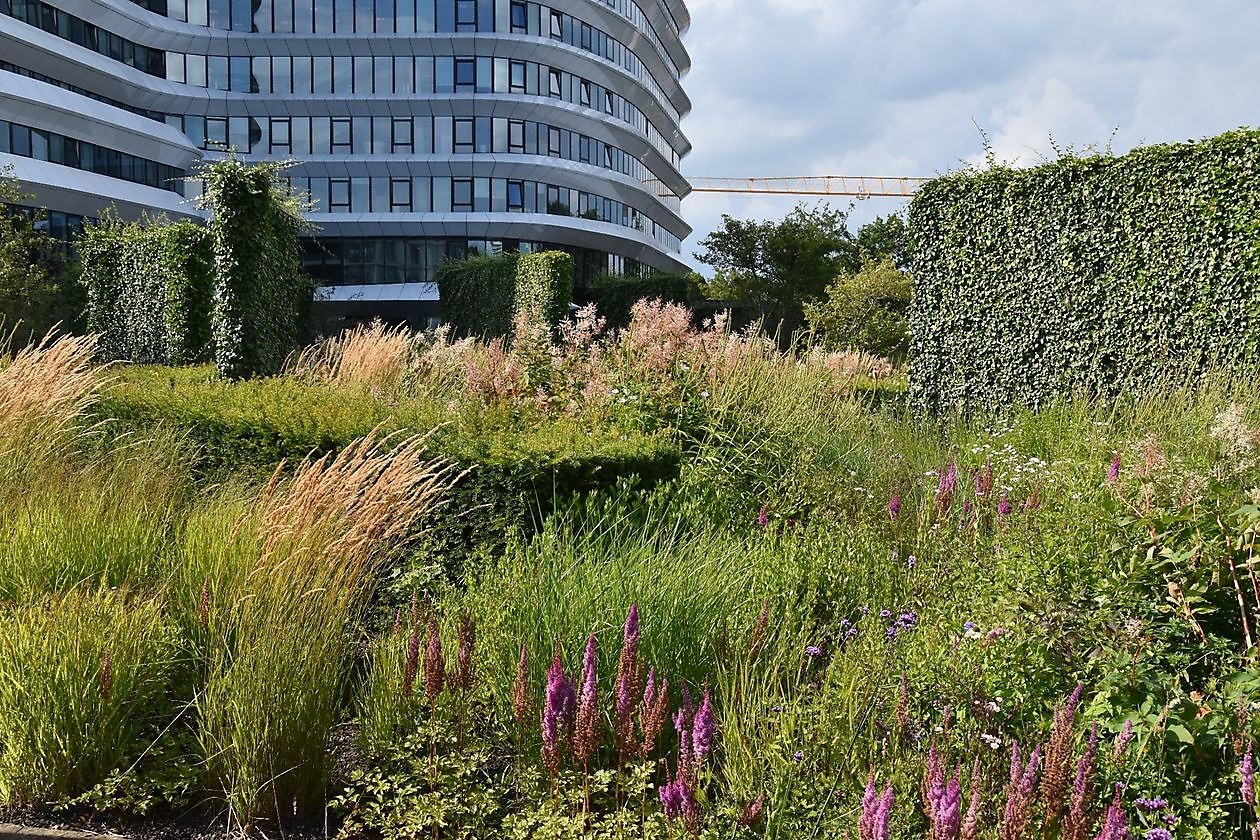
(554,84)
(465,75)
(402,136)
(465,15)
(341,136)
(461,195)
(464,136)
(557,25)
(516,196)
(516,137)
(400,195)
(519,17)
(553,141)
(516,77)
(585,94)
(338,195)
(281,140)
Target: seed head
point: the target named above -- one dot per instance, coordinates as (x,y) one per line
(434,665)
(107,679)
(520,692)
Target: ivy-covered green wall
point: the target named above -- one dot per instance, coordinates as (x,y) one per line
(148,287)
(1098,273)
(480,295)
(260,294)
(614,296)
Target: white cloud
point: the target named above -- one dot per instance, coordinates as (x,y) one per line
(896,87)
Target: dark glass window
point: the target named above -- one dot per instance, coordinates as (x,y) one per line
(400,195)
(341,136)
(339,195)
(554,82)
(519,16)
(516,77)
(465,75)
(281,140)
(515,196)
(516,136)
(402,136)
(465,16)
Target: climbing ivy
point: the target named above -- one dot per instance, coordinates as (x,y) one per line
(148,287)
(260,295)
(480,295)
(1094,273)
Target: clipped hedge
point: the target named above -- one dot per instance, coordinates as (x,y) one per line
(148,289)
(614,295)
(515,468)
(1094,273)
(481,295)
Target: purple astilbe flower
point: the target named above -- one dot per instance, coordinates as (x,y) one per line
(1123,740)
(1116,823)
(1113,474)
(586,729)
(1004,507)
(1058,757)
(984,479)
(1077,822)
(947,821)
(702,730)
(883,816)
(763,517)
(1020,794)
(554,714)
(894,507)
(649,690)
(933,783)
(628,673)
(1248,772)
(686,713)
(434,664)
(671,796)
(946,487)
(870,805)
(971,824)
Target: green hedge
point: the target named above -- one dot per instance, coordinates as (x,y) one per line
(261,297)
(1092,274)
(480,295)
(614,295)
(148,289)
(517,466)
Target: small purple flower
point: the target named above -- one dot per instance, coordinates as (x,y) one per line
(1113,474)
(1004,506)
(763,517)
(894,506)
(851,633)
(813,650)
(911,562)
(1157,834)
(885,613)
(1169,820)
(798,756)
(1248,773)
(1151,806)
(969,626)
(845,623)
(864,610)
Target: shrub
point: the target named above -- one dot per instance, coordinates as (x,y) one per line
(261,298)
(482,296)
(148,286)
(1089,273)
(866,311)
(37,288)
(614,296)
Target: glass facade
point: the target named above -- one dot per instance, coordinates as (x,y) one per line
(459,144)
(24,141)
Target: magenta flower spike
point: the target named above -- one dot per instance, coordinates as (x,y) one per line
(894,506)
(702,729)
(1116,824)
(1248,772)
(1123,740)
(1113,474)
(763,517)
(1004,507)
(883,816)
(870,805)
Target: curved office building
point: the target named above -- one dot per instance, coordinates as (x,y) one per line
(422,129)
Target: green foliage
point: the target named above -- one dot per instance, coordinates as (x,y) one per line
(886,236)
(1096,273)
(149,287)
(866,311)
(83,682)
(777,266)
(37,288)
(260,298)
(482,295)
(614,295)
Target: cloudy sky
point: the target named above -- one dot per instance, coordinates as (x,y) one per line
(898,87)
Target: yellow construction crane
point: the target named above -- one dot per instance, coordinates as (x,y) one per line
(858,186)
